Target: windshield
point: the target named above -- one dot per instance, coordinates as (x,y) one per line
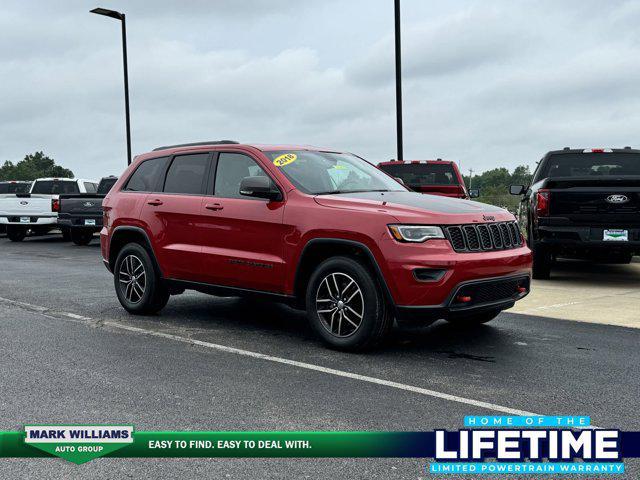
(55,187)
(591,165)
(422,174)
(14,187)
(319,173)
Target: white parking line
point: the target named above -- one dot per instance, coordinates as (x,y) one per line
(271,358)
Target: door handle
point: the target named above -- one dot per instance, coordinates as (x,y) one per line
(213,206)
(155,202)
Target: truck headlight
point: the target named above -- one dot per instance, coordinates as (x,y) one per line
(415,233)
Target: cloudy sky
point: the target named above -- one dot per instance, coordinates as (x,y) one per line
(487,83)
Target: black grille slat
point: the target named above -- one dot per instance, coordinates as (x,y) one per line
(471,235)
(457,238)
(484,237)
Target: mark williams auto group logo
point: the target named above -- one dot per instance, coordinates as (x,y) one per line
(527,445)
(78,444)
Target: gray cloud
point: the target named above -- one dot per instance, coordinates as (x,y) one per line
(486,83)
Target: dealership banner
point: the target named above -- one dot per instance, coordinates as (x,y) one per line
(491,445)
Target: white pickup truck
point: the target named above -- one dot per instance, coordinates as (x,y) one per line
(36,212)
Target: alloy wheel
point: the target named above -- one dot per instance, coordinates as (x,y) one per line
(340,304)
(133,278)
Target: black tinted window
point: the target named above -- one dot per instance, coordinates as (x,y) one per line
(421,174)
(14,187)
(186,174)
(90,187)
(590,165)
(232,168)
(54,187)
(105,185)
(147,176)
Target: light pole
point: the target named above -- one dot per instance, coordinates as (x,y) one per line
(121,17)
(398,81)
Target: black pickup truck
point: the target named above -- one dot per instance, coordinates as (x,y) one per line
(82,213)
(582,204)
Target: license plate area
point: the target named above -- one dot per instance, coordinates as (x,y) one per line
(25,219)
(90,223)
(615,235)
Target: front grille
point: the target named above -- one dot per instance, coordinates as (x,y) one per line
(484,237)
(490,291)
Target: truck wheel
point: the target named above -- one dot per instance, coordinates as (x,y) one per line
(475,319)
(138,285)
(66,234)
(346,306)
(16,234)
(81,237)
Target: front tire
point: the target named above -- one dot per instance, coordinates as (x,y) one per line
(138,284)
(346,306)
(16,234)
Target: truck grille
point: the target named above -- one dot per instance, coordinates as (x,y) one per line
(484,237)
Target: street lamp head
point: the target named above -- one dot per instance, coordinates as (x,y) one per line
(108,13)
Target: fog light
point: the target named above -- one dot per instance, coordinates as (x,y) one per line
(463,298)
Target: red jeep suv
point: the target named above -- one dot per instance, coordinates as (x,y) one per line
(321,230)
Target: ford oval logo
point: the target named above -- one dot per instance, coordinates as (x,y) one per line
(88,204)
(617,199)
(24,202)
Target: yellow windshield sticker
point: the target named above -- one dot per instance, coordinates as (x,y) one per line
(285,159)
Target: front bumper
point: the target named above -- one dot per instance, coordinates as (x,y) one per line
(469,298)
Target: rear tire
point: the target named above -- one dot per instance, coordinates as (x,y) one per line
(542,261)
(16,234)
(138,285)
(475,319)
(66,234)
(346,306)
(81,237)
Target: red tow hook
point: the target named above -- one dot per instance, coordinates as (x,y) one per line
(522,289)
(463,298)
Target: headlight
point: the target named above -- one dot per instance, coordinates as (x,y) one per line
(415,233)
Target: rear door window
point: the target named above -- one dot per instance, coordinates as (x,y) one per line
(148,176)
(54,187)
(187,174)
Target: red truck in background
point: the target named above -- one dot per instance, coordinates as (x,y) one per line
(436,177)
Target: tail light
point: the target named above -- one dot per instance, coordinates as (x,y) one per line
(543,201)
(55,205)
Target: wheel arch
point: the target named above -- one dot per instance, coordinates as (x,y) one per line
(124,235)
(319,249)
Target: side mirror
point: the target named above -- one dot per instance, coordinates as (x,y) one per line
(259,187)
(474,193)
(517,189)
(399,180)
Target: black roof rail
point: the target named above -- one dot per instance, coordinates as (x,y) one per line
(566,148)
(196,144)
(627,148)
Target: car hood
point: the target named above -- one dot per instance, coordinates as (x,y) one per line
(417,207)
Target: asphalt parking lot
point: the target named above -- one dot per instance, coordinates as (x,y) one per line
(72,354)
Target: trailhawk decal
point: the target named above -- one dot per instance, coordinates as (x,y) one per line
(285,159)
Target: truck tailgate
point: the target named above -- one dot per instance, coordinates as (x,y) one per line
(25,206)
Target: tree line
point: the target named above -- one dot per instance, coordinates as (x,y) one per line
(36,165)
(494,185)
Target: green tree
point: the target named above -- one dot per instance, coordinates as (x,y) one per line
(36,165)
(494,185)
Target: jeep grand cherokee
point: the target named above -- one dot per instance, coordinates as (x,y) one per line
(322,230)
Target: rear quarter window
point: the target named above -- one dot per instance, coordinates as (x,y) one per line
(148,176)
